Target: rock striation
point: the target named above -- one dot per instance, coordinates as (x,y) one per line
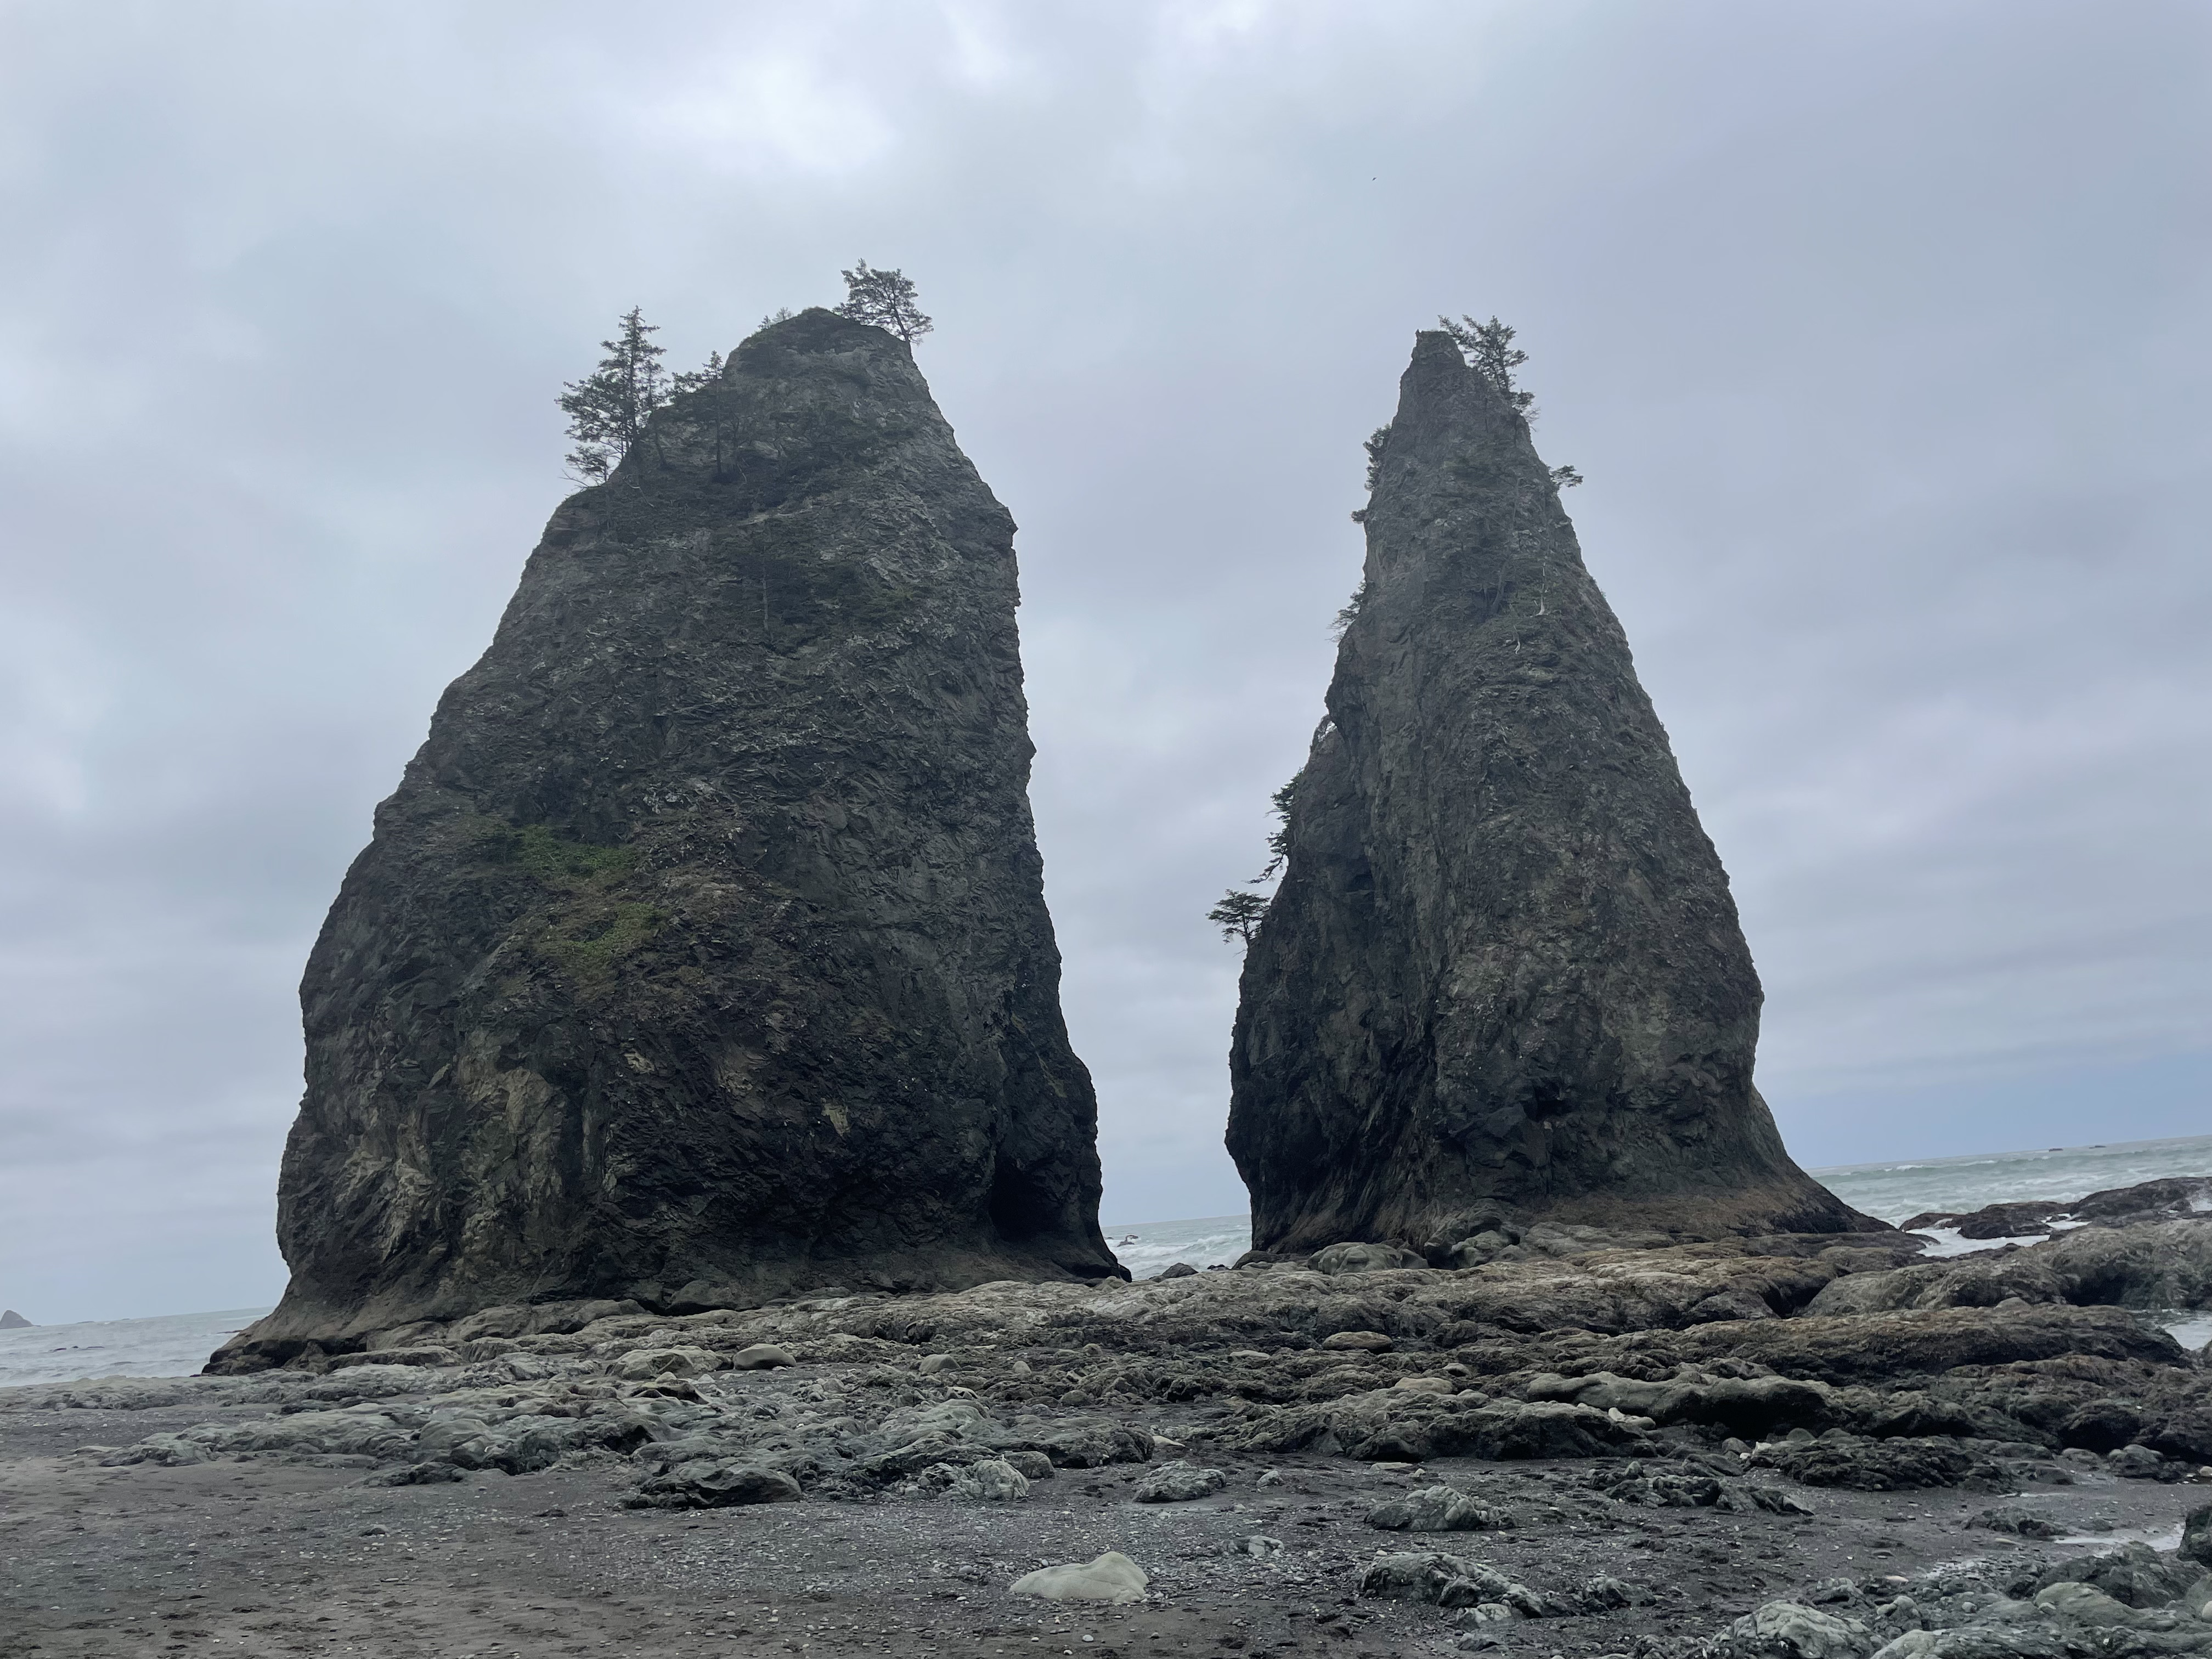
(1503,976)
(702,954)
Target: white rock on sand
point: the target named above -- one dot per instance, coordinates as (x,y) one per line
(1112,1577)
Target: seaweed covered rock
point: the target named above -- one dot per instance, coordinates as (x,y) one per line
(1503,975)
(702,954)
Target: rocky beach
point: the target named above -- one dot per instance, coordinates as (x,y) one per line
(693,1210)
(1387,862)
(1791,1444)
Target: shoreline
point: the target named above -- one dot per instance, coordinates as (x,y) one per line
(1630,1450)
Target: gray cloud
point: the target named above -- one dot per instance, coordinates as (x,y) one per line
(1881,333)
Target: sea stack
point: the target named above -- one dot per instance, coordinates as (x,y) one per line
(702,954)
(1503,979)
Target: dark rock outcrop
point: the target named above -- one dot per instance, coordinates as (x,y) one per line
(2171,1198)
(12,1320)
(2162,1264)
(703,953)
(1502,975)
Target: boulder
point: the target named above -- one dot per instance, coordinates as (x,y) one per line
(1076,1442)
(420,1356)
(380,1381)
(1975,1641)
(1448,1581)
(761,1356)
(1560,1240)
(643,1365)
(1744,1406)
(1606,1594)
(1178,1482)
(2134,1574)
(2081,1604)
(2182,1432)
(1112,1577)
(2017,1520)
(1686,1486)
(2020,1219)
(2100,1425)
(1859,1464)
(1365,1259)
(1731,1304)
(989,1480)
(1790,1630)
(2196,1536)
(1387,1425)
(1895,1349)
(1475,1252)
(2142,1463)
(2152,1263)
(1437,1509)
(417,1474)
(714,1484)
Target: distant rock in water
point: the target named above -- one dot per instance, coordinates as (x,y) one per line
(2170,1197)
(1503,976)
(703,953)
(12,1320)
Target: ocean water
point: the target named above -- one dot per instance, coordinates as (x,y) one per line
(173,1344)
(1889,1192)
(1898,1192)
(177,1345)
(1146,1247)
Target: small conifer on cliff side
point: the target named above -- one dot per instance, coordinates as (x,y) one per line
(608,408)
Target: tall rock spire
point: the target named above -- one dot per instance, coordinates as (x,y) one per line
(1502,973)
(703,953)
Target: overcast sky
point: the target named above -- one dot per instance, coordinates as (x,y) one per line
(1881,332)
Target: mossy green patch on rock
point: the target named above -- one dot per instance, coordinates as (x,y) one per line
(592,959)
(557,862)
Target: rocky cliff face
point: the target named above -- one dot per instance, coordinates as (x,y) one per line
(1503,975)
(703,953)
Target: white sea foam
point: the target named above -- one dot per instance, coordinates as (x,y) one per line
(1896,1192)
(1153,1245)
(1950,1242)
(2191,1328)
